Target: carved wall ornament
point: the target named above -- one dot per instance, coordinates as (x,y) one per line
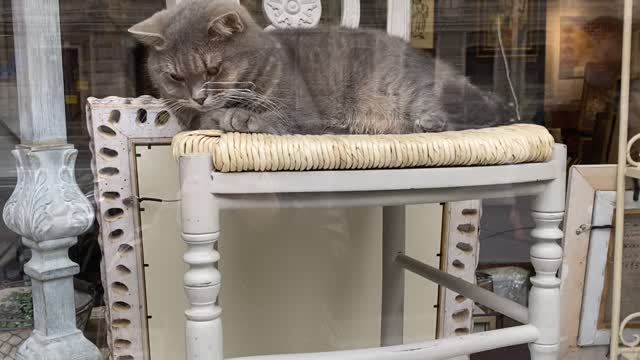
(293,13)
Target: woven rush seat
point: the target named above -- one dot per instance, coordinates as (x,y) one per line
(243,152)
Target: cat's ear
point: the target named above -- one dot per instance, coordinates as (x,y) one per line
(226,25)
(150,31)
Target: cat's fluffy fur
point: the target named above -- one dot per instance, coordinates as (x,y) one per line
(217,69)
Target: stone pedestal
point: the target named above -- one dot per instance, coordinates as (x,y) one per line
(49,211)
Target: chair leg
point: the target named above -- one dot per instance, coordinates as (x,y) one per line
(546,257)
(393,244)
(200,231)
(544,299)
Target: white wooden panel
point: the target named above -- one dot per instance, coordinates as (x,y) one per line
(310,281)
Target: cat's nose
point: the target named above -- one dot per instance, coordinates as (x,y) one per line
(199,100)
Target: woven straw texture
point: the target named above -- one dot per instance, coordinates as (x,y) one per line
(238,152)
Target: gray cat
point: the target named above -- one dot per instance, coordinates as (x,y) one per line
(217,69)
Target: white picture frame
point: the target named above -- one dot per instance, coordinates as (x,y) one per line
(591,333)
(584,182)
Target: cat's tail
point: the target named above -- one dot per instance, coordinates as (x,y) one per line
(468,107)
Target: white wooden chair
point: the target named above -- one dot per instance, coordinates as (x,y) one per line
(205,192)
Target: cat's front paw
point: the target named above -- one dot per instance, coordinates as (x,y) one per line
(240,120)
(430,121)
(211,120)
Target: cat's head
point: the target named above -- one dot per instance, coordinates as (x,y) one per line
(198,49)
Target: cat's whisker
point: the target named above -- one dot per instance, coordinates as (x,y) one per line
(251,93)
(249,102)
(265,103)
(268,102)
(268,107)
(244,96)
(174,106)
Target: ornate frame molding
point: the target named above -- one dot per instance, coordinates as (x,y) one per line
(116,126)
(459,257)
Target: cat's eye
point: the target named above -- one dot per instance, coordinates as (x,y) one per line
(176,77)
(213,71)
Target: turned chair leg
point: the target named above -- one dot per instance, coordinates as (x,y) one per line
(200,231)
(546,257)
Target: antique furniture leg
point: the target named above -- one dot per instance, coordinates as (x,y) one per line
(546,257)
(393,244)
(200,231)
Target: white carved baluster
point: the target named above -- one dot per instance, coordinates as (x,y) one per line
(546,257)
(47,208)
(200,230)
